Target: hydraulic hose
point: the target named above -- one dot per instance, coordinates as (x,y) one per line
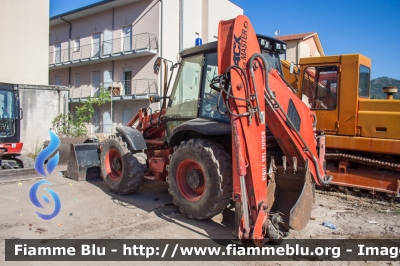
(326,179)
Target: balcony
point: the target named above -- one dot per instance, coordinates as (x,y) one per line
(113,49)
(123,90)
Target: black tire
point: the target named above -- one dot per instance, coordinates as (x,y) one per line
(122,169)
(25,161)
(211,191)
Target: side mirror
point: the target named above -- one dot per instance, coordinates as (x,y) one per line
(157,65)
(155,98)
(293,71)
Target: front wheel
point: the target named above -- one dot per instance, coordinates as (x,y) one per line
(122,170)
(200,178)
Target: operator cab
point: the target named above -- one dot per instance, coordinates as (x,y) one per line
(192,97)
(272,49)
(9,110)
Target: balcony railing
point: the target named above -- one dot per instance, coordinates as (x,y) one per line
(127,89)
(144,42)
(102,128)
(140,86)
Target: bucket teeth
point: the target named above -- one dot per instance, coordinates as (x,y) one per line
(284,164)
(294,165)
(272,168)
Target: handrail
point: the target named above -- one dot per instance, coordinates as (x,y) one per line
(137,87)
(124,45)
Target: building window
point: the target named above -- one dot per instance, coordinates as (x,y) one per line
(57,52)
(363,87)
(73,112)
(95,83)
(96,45)
(127,75)
(57,80)
(126,116)
(107,78)
(77,80)
(77,45)
(127,38)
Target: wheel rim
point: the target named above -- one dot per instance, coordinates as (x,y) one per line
(190,180)
(113,164)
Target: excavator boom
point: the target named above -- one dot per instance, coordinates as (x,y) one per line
(247,114)
(256,96)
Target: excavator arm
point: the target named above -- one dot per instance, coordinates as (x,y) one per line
(273,199)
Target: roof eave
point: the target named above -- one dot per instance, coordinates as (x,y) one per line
(80,9)
(89,10)
(319,45)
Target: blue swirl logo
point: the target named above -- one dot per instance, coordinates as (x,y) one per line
(45,153)
(35,200)
(40,169)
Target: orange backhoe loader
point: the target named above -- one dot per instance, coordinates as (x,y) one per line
(231,129)
(362,134)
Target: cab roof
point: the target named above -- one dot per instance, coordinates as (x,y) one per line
(213,46)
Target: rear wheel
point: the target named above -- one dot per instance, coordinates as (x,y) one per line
(200,178)
(121,169)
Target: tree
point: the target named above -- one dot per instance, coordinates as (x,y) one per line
(69,126)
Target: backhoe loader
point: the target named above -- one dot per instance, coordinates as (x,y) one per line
(231,129)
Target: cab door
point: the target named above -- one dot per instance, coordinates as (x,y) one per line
(319,91)
(183,102)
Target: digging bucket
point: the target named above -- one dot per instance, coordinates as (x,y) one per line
(291,194)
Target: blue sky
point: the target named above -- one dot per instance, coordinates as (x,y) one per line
(369,27)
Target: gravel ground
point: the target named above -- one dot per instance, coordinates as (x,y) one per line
(90,211)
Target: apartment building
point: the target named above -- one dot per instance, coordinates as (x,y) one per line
(113,45)
(24,60)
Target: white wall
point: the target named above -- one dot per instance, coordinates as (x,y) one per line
(24,35)
(24,31)
(169,40)
(192,22)
(201,16)
(218,10)
(40,107)
(291,51)
(304,50)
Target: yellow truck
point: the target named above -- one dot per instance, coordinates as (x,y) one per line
(362,134)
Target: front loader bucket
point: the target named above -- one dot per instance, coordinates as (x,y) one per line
(293,197)
(84,162)
(65,146)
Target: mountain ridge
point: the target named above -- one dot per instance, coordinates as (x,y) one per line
(378,84)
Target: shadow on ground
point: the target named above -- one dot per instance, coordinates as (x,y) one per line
(153,196)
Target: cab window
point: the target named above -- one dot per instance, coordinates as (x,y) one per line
(211,100)
(363,86)
(320,87)
(184,97)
